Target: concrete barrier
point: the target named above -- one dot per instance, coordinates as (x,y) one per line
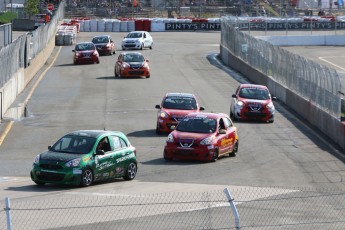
(327,124)
(19,81)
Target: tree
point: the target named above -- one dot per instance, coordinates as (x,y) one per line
(31,7)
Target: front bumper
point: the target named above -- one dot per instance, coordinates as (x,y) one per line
(200,153)
(71,176)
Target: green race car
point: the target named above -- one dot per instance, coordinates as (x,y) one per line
(85,156)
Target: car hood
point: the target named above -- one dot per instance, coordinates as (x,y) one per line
(254,101)
(177,113)
(135,64)
(186,137)
(101,44)
(57,156)
(131,39)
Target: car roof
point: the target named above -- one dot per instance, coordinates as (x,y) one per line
(94,133)
(252,86)
(179,95)
(138,31)
(208,115)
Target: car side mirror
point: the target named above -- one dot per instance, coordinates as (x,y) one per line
(173,127)
(157,106)
(100,152)
(147,60)
(274,98)
(233,96)
(73,50)
(222,131)
(49,147)
(202,108)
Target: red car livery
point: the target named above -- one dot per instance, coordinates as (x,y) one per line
(174,107)
(203,137)
(252,102)
(85,52)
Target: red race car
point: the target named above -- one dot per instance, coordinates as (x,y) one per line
(252,102)
(104,44)
(132,64)
(174,107)
(85,52)
(203,137)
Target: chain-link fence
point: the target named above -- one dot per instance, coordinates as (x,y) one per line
(317,83)
(258,208)
(18,54)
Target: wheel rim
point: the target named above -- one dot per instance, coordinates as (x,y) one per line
(132,170)
(87,177)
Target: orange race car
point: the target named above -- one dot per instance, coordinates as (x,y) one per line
(132,64)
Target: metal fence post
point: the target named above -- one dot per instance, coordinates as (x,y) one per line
(233,207)
(8,214)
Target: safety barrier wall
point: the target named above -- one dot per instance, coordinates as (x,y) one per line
(314,110)
(21,60)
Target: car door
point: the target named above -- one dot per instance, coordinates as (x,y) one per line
(121,155)
(146,39)
(230,133)
(118,64)
(224,139)
(104,162)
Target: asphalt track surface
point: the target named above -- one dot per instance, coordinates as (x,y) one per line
(287,153)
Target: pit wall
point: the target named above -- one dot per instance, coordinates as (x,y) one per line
(332,127)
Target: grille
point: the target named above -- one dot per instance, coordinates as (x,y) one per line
(136,72)
(49,176)
(51,167)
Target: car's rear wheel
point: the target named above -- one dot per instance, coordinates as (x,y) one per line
(215,156)
(86,178)
(234,150)
(131,171)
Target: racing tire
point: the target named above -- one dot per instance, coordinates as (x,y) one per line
(148,76)
(215,156)
(234,150)
(167,158)
(271,121)
(131,171)
(142,46)
(97,62)
(151,46)
(86,178)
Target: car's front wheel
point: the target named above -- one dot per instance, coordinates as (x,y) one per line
(215,156)
(131,171)
(234,150)
(86,178)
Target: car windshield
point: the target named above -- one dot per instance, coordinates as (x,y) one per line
(86,46)
(197,125)
(183,103)
(74,144)
(100,40)
(134,35)
(133,58)
(255,93)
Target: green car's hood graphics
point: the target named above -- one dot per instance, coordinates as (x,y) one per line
(61,157)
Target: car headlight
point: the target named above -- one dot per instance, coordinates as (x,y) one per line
(240,104)
(95,53)
(125,65)
(163,114)
(73,163)
(170,138)
(37,159)
(270,105)
(206,141)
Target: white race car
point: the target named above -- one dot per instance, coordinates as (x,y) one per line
(137,40)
